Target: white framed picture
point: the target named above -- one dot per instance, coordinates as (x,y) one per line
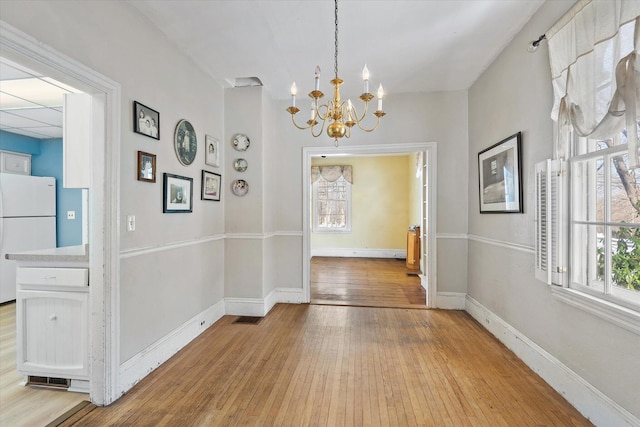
(212,151)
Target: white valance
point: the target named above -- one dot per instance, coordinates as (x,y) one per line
(332,173)
(595,71)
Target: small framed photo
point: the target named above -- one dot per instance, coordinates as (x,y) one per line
(212,152)
(146,167)
(146,121)
(211,183)
(177,194)
(500,173)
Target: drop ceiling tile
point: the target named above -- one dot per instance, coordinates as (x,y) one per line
(37,133)
(47,116)
(36,90)
(10,101)
(17,121)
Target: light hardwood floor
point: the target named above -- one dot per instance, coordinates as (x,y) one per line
(323,365)
(20,405)
(365,282)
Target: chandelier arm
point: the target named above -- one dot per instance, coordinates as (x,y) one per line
(354,114)
(320,131)
(321,116)
(293,120)
(373,128)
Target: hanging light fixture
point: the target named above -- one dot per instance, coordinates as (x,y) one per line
(342,115)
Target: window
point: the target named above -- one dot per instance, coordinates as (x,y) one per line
(593,61)
(605,221)
(331,199)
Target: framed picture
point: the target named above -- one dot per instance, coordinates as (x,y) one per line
(212,152)
(177,194)
(185,142)
(499,167)
(146,121)
(211,183)
(146,167)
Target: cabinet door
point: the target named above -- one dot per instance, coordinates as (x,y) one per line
(52,333)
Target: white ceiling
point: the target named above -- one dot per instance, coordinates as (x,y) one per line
(408,46)
(30,104)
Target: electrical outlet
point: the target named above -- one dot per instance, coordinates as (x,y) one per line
(71,214)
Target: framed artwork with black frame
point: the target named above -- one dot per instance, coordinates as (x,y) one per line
(211,184)
(177,194)
(146,167)
(146,121)
(500,176)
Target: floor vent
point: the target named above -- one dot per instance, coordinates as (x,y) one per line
(49,382)
(248,320)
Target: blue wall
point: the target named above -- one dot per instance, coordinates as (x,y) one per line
(46,160)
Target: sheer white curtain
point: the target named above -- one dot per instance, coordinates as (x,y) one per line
(595,70)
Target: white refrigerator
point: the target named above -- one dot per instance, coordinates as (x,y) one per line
(27,222)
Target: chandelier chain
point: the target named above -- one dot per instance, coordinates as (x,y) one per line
(335,61)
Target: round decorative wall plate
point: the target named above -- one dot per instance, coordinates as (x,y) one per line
(185,142)
(240,165)
(241,142)
(240,187)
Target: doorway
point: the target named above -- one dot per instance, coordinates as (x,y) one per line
(102,201)
(427,206)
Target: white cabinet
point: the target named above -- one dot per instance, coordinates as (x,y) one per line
(52,336)
(18,163)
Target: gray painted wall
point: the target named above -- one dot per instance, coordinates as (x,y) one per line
(166,280)
(514,94)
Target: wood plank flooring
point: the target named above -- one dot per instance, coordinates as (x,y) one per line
(19,405)
(327,365)
(365,282)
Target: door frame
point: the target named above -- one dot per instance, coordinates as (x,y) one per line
(103,203)
(428,221)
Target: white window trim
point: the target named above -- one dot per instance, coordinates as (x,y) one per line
(324,230)
(621,316)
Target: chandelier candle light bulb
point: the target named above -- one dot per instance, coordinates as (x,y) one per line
(294,90)
(380,95)
(365,78)
(317,87)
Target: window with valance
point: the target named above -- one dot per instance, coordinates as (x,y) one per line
(595,70)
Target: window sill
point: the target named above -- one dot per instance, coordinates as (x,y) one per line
(616,314)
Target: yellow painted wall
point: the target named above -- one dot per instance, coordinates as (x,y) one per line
(381,198)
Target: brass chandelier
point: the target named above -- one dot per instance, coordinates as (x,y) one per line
(342,115)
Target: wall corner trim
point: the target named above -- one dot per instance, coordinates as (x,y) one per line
(143,363)
(587,399)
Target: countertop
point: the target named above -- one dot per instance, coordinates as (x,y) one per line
(78,253)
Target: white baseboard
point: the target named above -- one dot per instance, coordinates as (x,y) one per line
(360,253)
(589,401)
(450,300)
(283,295)
(245,307)
(140,365)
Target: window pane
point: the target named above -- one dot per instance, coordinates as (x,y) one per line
(588,190)
(587,258)
(625,258)
(625,191)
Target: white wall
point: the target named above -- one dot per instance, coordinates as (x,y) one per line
(514,94)
(165,277)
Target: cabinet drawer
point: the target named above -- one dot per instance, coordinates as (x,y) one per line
(74,277)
